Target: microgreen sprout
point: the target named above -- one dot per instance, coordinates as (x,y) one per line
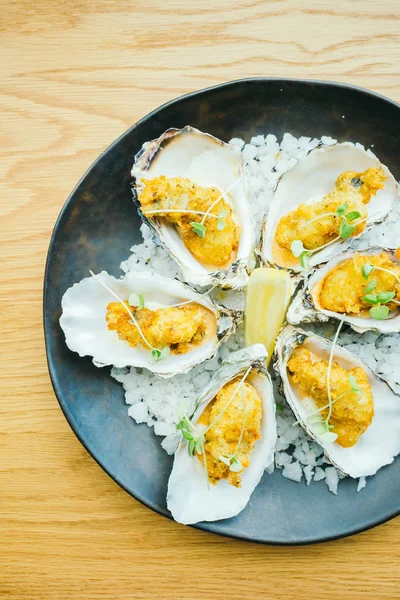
(136,300)
(156,354)
(367,269)
(330,368)
(379,310)
(199,229)
(192,434)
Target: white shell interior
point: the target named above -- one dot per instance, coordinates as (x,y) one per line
(300,311)
(208,162)
(189,498)
(312,179)
(380,443)
(84,323)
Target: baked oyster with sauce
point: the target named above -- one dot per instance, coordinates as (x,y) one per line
(227,444)
(191,191)
(339,401)
(144,320)
(360,287)
(332,196)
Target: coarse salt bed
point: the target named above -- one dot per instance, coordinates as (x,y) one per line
(156,403)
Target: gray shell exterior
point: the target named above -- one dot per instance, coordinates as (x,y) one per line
(236,276)
(380,444)
(189,498)
(305,309)
(379,209)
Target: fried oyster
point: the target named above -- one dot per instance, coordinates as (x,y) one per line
(351,188)
(352,413)
(237,428)
(179,328)
(169,196)
(343,288)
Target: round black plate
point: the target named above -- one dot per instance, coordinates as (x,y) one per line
(96,229)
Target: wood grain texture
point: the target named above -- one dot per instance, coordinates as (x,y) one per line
(74,75)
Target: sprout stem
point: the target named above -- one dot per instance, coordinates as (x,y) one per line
(218,199)
(330,214)
(243,426)
(330,368)
(317,412)
(387,271)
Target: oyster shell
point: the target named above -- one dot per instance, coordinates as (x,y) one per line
(209,162)
(83,321)
(311,179)
(189,498)
(380,443)
(306,307)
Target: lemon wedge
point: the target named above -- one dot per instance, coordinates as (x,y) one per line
(267,298)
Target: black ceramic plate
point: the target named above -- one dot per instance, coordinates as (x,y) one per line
(96,229)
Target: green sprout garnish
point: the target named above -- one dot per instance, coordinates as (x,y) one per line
(379,311)
(136,300)
(346,230)
(301,253)
(370,286)
(366,270)
(199,229)
(221,224)
(341,210)
(157,355)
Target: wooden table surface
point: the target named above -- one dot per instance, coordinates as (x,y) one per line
(74,76)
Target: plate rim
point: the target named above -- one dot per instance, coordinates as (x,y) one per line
(208,527)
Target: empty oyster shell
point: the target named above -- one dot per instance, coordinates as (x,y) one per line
(309,181)
(306,305)
(380,443)
(83,320)
(189,498)
(209,162)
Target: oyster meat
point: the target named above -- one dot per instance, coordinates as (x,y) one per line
(143,320)
(360,287)
(359,427)
(227,444)
(191,191)
(330,197)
